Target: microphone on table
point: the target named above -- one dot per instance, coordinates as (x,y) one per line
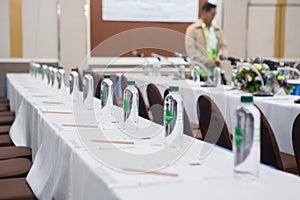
(158,57)
(179,55)
(272,64)
(146,62)
(232,60)
(137,54)
(196,64)
(162,58)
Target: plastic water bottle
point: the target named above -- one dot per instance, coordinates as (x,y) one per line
(156,69)
(88,89)
(44,73)
(233,77)
(38,71)
(50,72)
(246,146)
(74,81)
(217,76)
(181,73)
(173,117)
(31,69)
(61,79)
(106,93)
(271,81)
(131,107)
(196,74)
(54,78)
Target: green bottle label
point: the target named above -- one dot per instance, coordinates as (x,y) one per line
(71,84)
(126,105)
(195,73)
(102,96)
(239,137)
(83,88)
(169,117)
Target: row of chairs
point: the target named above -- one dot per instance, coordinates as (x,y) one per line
(15,162)
(211,121)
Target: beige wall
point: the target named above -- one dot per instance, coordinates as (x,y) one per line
(292,32)
(73,39)
(249,26)
(40,34)
(4,29)
(39,26)
(234,23)
(244,35)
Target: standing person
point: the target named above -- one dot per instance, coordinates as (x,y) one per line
(204,41)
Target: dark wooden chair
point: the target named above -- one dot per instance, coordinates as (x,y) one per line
(4,101)
(296,140)
(123,82)
(212,124)
(16,189)
(4,130)
(14,168)
(7,113)
(143,111)
(15,152)
(156,103)
(270,153)
(98,87)
(7,120)
(4,107)
(5,140)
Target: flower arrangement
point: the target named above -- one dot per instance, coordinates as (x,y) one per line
(246,79)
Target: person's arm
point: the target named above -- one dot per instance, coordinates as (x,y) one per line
(194,49)
(222,45)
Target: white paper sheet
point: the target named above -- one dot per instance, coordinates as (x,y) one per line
(149,10)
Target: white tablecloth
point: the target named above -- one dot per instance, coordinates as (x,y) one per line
(281,111)
(67,165)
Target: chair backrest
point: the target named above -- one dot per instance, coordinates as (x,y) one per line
(113,79)
(98,87)
(154,95)
(296,140)
(269,149)
(156,103)
(143,112)
(212,124)
(123,82)
(187,129)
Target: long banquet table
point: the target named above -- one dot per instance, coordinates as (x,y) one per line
(280,111)
(69,164)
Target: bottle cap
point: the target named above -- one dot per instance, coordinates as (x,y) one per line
(212,2)
(106,76)
(247,99)
(130,82)
(74,69)
(87,72)
(174,89)
(60,67)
